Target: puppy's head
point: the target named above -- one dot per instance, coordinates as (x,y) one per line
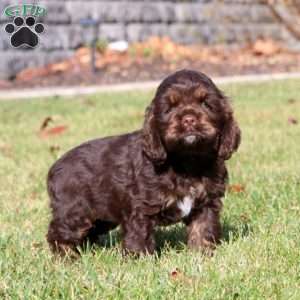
(189,115)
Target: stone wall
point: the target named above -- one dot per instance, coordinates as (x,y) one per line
(202,21)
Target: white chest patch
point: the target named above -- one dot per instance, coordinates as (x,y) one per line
(186,205)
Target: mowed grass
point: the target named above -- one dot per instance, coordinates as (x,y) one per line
(260,254)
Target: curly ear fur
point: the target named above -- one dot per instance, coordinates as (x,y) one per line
(230,138)
(152,145)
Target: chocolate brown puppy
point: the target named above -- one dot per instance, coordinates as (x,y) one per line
(172,170)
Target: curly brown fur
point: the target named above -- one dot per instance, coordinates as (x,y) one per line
(172,170)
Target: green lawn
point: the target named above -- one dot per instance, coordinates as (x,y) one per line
(260,255)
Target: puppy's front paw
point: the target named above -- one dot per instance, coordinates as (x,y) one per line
(202,244)
(136,250)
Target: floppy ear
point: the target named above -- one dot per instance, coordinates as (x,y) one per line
(230,138)
(152,145)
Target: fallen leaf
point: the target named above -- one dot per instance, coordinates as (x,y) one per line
(292,120)
(177,275)
(236,188)
(57,130)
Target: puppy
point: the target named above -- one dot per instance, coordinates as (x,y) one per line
(171,170)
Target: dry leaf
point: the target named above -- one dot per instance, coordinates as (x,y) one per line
(57,130)
(236,188)
(292,120)
(177,275)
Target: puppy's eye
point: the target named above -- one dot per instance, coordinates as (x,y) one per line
(168,109)
(206,105)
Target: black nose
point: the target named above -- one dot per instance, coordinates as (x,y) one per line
(189,121)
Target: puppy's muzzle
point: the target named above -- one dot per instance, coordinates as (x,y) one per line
(189,122)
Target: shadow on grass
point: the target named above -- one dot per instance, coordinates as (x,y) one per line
(110,240)
(174,237)
(233,233)
(171,237)
(166,237)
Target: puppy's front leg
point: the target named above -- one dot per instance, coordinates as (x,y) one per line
(204,229)
(138,234)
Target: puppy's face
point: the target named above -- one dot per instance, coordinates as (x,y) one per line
(189,118)
(189,115)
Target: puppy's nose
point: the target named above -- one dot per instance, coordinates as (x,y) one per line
(189,121)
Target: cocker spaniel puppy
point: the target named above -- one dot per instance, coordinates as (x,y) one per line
(171,170)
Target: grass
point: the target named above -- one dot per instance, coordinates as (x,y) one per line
(259,257)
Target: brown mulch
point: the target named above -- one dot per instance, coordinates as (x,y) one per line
(154,59)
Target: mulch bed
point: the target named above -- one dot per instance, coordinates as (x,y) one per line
(155,59)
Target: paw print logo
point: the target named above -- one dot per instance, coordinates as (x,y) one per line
(24,32)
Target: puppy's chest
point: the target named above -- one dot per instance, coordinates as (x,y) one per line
(179,203)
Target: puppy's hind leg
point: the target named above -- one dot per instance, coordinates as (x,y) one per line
(72,216)
(65,235)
